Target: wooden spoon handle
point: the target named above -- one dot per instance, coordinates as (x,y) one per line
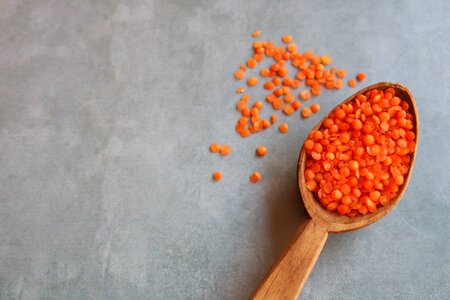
(288,275)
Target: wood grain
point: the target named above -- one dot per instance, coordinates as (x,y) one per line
(288,276)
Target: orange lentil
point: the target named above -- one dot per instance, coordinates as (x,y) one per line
(252,81)
(269,85)
(305,94)
(261,150)
(289,97)
(275,67)
(315,107)
(332,206)
(368,140)
(337,84)
(215,148)
(339,114)
(270,98)
(295,84)
(277,104)
(243,121)
(291,47)
(309,174)
(341,73)
(265,72)
(270,52)
(278,56)
(251,63)
(239,74)
(344,171)
(357,124)
(288,109)
(239,127)
(306,112)
(286,38)
(276,80)
(352,83)
(384,116)
(258,56)
(311,185)
(245,98)
(283,71)
(287,81)
(316,90)
(278,92)
(309,144)
(274,118)
(225,150)
(358,159)
(346,189)
(361,76)
(257,44)
(240,90)
(286,90)
(410,136)
(258,104)
(353,165)
(283,128)
(296,104)
(280,50)
(256,33)
(300,75)
(336,194)
(255,177)
(328,122)
(326,60)
(317,135)
(343,209)
(245,112)
(217,175)
(329,85)
(244,133)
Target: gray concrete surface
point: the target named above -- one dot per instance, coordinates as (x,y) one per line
(107,109)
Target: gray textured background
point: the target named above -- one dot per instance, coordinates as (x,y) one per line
(107,109)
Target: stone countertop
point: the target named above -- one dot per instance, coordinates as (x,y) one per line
(107,109)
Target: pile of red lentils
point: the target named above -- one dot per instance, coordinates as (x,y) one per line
(287,91)
(312,73)
(358,159)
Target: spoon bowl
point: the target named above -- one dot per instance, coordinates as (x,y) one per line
(288,275)
(339,223)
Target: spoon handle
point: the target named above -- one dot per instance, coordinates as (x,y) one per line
(288,275)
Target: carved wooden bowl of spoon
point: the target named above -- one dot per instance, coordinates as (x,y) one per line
(288,275)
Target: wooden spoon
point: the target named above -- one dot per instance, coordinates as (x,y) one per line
(288,275)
